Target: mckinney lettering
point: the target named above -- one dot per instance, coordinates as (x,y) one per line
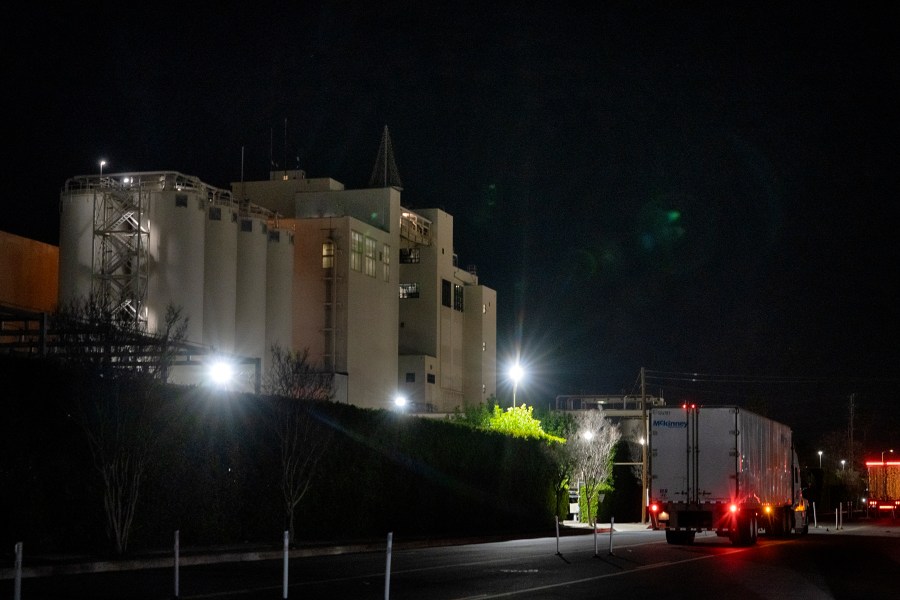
(670,424)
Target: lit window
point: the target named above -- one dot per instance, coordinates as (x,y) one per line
(409,290)
(386,262)
(356,250)
(327,254)
(370,257)
(458,297)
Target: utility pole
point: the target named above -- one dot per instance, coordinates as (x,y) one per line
(644,448)
(852,399)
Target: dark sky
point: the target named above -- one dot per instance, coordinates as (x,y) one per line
(705,191)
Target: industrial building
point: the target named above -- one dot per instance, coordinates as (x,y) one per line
(372,290)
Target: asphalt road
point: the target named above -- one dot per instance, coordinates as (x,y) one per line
(860,560)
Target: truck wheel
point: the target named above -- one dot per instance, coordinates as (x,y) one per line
(745,531)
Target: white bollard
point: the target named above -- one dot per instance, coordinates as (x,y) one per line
(177,551)
(17,592)
(387,568)
(595,538)
(557,535)
(612,525)
(284,584)
(815,519)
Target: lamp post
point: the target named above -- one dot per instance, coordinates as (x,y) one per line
(102,164)
(882,454)
(843,462)
(515,373)
(820,459)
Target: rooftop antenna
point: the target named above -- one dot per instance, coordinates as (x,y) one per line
(271,156)
(385,172)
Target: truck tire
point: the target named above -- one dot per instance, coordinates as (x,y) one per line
(746,532)
(779,523)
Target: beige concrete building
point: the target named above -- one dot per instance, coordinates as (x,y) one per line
(379,298)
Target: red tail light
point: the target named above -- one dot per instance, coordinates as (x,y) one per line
(654,507)
(733,508)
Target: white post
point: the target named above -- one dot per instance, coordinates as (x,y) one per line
(17,592)
(284,584)
(387,568)
(612,525)
(557,535)
(595,538)
(177,551)
(815,519)
(837,513)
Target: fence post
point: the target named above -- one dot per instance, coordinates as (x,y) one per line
(612,525)
(557,535)
(17,592)
(177,550)
(284,585)
(387,569)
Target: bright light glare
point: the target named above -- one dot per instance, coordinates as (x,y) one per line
(220,372)
(516,372)
(400,401)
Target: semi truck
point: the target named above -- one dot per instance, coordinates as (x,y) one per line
(723,469)
(884,487)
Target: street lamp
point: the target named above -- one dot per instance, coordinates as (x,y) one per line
(400,401)
(102,164)
(843,462)
(882,454)
(820,459)
(516,373)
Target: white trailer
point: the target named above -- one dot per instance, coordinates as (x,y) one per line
(723,469)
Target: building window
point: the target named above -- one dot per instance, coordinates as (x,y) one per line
(458,297)
(410,378)
(386,262)
(370,257)
(275,236)
(446,293)
(327,254)
(356,250)
(409,256)
(246,225)
(215,213)
(431,378)
(181,200)
(409,290)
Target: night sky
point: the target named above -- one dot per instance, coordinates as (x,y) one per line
(707,191)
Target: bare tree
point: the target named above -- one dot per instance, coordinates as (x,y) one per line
(118,368)
(303,434)
(592,447)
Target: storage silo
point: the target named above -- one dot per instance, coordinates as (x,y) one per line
(177,248)
(279,290)
(220,272)
(76,239)
(250,320)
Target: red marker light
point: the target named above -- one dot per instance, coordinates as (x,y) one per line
(733,508)
(654,507)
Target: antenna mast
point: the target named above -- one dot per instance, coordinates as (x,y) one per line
(385,173)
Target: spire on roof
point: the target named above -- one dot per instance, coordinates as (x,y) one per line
(385,172)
